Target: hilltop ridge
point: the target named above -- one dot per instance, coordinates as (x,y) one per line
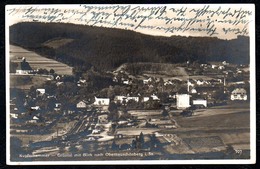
(108,48)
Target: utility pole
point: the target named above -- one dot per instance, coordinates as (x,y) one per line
(188,86)
(57,132)
(224,83)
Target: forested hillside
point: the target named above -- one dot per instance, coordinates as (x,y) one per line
(106,48)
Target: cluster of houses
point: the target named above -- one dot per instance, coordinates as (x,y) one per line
(201,87)
(239,94)
(125,99)
(215,65)
(204,95)
(183,100)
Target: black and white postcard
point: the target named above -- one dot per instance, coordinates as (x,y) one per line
(130,84)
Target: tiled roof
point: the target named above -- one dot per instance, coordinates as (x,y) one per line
(239,90)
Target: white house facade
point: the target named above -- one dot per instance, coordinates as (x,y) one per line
(81,104)
(239,94)
(182,101)
(101,101)
(200,102)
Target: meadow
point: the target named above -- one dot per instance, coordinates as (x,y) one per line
(37,61)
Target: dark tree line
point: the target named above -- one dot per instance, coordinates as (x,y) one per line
(107,48)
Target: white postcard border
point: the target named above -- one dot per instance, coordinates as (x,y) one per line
(252,159)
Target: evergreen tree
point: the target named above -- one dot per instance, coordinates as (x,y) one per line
(114,146)
(113,112)
(52,71)
(165,113)
(133,145)
(152,141)
(141,139)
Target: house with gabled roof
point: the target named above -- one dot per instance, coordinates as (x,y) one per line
(40,92)
(126,98)
(82,104)
(57,107)
(146,81)
(153,97)
(238,94)
(101,101)
(24,67)
(103,118)
(193,91)
(120,98)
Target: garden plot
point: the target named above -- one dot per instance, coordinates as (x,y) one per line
(205,144)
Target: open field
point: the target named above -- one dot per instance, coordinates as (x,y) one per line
(168,70)
(145,112)
(178,73)
(233,115)
(57,42)
(231,123)
(26,138)
(166,77)
(231,120)
(211,128)
(36,61)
